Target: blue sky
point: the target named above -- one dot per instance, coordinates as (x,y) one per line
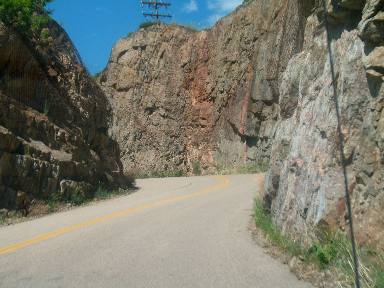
(95,25)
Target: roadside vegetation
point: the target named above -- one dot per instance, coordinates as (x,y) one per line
(77,199)
(332,253)
(57,202)
(197,170)
(2,219)
(251,168)
(29,17)
(160,174)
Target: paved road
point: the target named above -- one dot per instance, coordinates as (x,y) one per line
(175,232)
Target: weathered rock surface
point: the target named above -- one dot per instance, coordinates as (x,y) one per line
(256,88)
(211,97)
(53,123)
(304,186)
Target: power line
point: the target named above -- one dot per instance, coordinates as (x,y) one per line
(154,8)
(341,147)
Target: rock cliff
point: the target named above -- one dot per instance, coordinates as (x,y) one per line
(53,123)
(209,97)
(256,88)
(304,186)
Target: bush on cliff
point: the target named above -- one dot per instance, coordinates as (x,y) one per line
(147,24)
(28,17)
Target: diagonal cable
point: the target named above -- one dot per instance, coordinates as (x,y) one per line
(341,148)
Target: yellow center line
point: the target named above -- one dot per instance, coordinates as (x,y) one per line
(118,214)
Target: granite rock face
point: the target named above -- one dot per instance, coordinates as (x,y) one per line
(304,185)
(53,123)
(181,97)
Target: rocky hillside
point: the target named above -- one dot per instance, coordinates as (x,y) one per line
(53,123)
(256,88)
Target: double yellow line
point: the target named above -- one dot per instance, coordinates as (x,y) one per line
(223,183)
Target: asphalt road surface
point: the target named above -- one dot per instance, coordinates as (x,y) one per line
(171,233)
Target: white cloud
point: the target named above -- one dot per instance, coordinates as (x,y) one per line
(191,6)
(223,6)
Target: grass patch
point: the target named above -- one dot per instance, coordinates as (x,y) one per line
(196,168)
(160,174)
(53,202)
(265,223)
(103,193)
(332,253)
(2,219)
(379,276)
(251,168)
(78,199)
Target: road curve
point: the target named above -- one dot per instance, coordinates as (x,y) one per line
(174,232)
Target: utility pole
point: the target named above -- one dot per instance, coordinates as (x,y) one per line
(153,8)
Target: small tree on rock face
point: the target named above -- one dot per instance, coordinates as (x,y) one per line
(28,17)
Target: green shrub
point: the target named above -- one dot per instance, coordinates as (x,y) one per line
(53,202)
(77,199)
(379,278)
(147,24)
(28,17)
(328,251)
(196,169)
(102,193)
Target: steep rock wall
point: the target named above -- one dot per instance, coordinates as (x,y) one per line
(304,186)
(211,97)
(53,122)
